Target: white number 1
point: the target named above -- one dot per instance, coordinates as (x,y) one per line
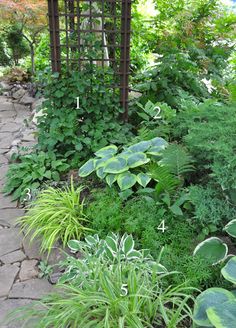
(77,102)
(162,226)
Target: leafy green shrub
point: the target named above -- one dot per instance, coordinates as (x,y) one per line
(30,171)
(108,291)
(141,218)
(56,215)
(209,208)
(75,132)
(215,307)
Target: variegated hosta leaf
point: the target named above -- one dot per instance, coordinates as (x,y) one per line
(110,179)
(87,168)
(107,151)
(229,270)
(74,245)
(143,179)
(116,165)
(100,172)
(112,244)
(127,244)
(140,146)
(126,180)
(92,240)
(223,315)
(213,249)
(137,159)
(230,228)
(209,298)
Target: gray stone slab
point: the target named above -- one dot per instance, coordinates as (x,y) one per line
(6,307)
(8,274)
(28,270)
(3,159)
(13,257)
(32,250)
(10,215)
(11,127)
(7,114)
(32,289)
(6,201)
(10,240)
(3,172)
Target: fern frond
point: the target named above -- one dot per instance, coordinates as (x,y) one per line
(177,160)
(166,181)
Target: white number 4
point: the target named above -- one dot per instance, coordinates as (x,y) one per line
(162,226)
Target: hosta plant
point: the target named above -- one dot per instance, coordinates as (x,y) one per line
(112,291)
(127,167)
(214,249)
(131,167)
(216,307)
(56,215)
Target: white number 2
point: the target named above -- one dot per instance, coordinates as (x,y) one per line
(162,226)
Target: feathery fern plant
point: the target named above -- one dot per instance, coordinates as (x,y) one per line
(177,160)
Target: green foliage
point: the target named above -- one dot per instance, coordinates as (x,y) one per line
(127,167)
(215,307)
(141,218)
(56,215)
(76,133)
(30,171)
(210,208)
(214,249)
(113,293)
(45,270)
(4,57)
(16,43)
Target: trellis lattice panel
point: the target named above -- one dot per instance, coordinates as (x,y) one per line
(95,33)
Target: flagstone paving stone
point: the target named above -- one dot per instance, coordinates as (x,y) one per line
(19,282)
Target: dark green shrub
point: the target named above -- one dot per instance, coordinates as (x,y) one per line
(76,133)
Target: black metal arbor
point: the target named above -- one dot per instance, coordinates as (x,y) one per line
(95,32)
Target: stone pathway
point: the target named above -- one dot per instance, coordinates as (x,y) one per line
(19,282)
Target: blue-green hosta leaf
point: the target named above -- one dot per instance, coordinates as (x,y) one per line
(110,179)
(137,159)
(107,151)
(126,194)
(102,161)
(143,179)
(213,249)
(223,315)
(87,168)
(159,142)
(127,243)
(229,270)
(74,245)
(230,228)
(126,180)
(116,165)
(209,298)
(140,146)
(100,172)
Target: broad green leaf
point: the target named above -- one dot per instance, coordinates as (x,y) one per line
(223,315)
(229,270)
(126,194)
(143,179)
(126,180)
(87,168)
(140,147)
(132,255)
(230,228)
(213,249)
(111,243)
(127,244)
(137,159)
(92,240)
(110,179)
(74,245)
(116,165)
(107,151)
(100,172)
(209,298)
